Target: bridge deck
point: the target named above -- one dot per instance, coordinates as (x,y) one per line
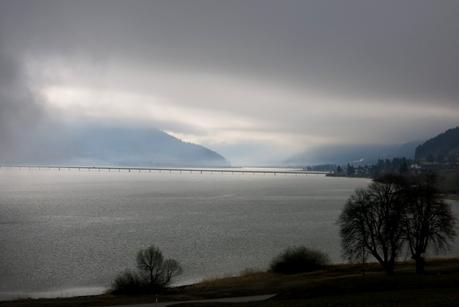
(166,169)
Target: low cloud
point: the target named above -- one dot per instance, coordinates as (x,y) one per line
(254,80)
(19,112)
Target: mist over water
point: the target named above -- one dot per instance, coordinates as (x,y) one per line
(70,232)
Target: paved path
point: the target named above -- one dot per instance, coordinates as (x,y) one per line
(239,299)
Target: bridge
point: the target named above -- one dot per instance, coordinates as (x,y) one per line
(129,169)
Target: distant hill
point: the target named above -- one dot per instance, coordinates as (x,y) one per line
(442,148)
(356,154)
(117,145)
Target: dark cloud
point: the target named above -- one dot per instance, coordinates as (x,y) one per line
(398,49)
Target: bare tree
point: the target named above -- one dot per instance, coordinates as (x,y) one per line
(154,273)
(393,211)
(150,260)
(371,222)
(159,271)
(429,221)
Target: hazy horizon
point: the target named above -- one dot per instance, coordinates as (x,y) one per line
(257,81)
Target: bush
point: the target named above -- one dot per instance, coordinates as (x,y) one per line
(296,260)
(129,283)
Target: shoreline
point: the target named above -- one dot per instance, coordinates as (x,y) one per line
(327,284)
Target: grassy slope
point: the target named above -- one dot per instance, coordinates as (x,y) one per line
(338,285)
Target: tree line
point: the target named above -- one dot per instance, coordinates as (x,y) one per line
(379,168)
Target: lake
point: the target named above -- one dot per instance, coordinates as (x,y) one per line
(70,232)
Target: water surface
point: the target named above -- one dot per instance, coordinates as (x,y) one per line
(70,232)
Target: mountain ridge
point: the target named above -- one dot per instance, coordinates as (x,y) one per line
(441,148)
(116,145)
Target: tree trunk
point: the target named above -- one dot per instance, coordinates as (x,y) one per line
(151,278)
(389,267)
(419,264)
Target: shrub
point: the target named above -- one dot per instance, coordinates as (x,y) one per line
(129,283)
(299,260)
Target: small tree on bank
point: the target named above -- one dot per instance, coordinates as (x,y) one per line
(159,272)
(154,273)
(150,261)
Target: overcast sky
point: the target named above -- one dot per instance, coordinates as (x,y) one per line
(258,81)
